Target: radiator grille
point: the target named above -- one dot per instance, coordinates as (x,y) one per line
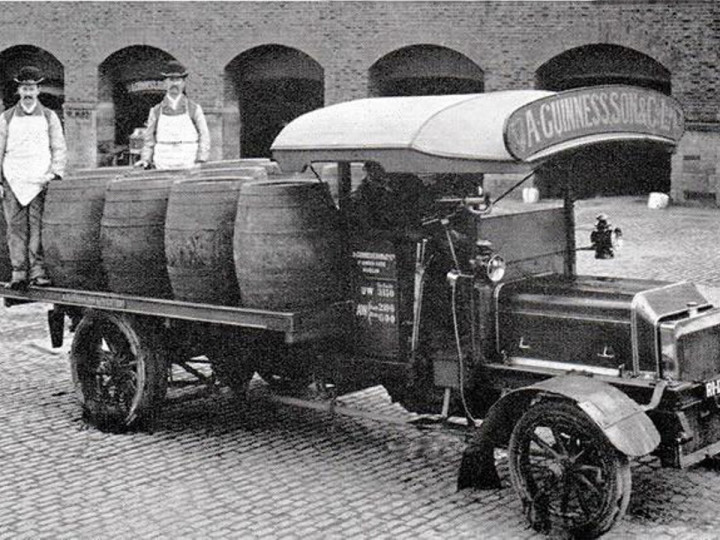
(699,354)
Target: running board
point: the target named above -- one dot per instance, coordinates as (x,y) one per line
(331,407)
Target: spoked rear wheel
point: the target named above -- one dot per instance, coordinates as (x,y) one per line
(566,473)
(119,369)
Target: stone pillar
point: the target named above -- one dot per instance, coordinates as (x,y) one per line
(230,131)
(105,122)
(214,118)
(507,77)
(342,84)
(695,166)
(81,133)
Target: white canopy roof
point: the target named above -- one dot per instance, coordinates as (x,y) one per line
(464,133)
(467,126)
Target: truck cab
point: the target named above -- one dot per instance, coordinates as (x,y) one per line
(561,368)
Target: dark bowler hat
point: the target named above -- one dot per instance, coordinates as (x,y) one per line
(174,69)
(29,75)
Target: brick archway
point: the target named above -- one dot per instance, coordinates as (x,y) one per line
(265,88)
(128,85)
(607,169)
(602,63)
(424,70)
(52,89)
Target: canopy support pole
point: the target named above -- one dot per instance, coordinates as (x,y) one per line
(344,189)
(569,217)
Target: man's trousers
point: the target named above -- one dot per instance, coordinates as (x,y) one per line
(24,234)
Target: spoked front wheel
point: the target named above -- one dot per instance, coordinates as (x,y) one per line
(119,369)
(566,473)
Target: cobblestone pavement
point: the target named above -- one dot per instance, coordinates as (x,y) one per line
(211,470)
(675,243)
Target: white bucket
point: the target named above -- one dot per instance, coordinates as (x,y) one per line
(530,195)
(658,200)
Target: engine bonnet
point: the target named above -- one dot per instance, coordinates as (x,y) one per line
(585,322)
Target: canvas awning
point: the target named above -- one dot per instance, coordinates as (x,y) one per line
(496,132)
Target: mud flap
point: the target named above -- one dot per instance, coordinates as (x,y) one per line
(477,468)
(56,326)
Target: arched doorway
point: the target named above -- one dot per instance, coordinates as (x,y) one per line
(271,85)
(129,85)
(52,89)
(425,70)
(629,169)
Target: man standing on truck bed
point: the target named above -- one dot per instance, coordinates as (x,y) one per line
(32,153)
(177,135)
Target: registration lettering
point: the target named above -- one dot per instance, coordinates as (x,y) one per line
(712,388)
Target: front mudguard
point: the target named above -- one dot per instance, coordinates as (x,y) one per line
(621,419)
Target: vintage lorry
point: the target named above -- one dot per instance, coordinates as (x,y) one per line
(464,307)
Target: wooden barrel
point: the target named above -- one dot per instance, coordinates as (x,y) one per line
(286,245)
(254,173)
(5,266)
(272,168)
(70,229)
(71,232)
(132,236)
(199,240)
(101,171)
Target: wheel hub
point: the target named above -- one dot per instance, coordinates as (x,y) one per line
(558,469)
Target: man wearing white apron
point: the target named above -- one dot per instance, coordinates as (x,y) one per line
(177,135)
(32,153)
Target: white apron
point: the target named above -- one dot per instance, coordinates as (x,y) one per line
(27,156)
(176,142)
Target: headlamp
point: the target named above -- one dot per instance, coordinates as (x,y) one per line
(487,264)
(495,268)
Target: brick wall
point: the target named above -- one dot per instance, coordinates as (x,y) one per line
(508,40)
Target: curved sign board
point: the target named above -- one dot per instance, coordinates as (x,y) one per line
(590,115)
(135,87)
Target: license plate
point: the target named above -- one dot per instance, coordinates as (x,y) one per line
(712,388)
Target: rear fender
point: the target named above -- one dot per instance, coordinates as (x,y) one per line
(621,419)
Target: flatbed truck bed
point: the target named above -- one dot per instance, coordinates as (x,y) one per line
(297,326)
